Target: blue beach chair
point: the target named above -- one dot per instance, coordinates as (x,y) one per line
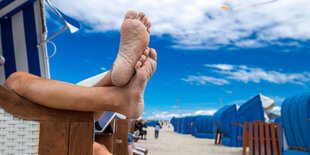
(223,120)
(204,127)
(295,113)
(180,125)
(173,122)
(187,125)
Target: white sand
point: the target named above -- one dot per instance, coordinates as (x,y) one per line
(171,143)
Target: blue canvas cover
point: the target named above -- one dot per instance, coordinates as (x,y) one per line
(173,122)
(204,127)
(295,114)
(223,120)
(187,124)
(180,124)
(224,117)
(252,110)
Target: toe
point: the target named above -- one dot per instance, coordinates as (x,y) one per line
(131,14)
(140,16)
(144,20)
(146,52)
(153,54)
(149,30)
(138,65)
(148,24)
(142,59)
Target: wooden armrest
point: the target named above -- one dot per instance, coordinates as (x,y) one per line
(239,137)
(298,148)
(61,131)
(237,124)
(25,109)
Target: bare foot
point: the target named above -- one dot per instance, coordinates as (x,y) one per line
(133,102)
(135,37)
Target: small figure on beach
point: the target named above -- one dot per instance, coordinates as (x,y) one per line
(157,128)
(121,90)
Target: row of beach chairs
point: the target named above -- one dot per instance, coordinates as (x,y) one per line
(248,126)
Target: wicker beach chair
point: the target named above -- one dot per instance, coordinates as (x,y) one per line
(295,114)
(26,127)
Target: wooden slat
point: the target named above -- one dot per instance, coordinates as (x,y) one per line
(251,139)
(267,127)
(53,138)
(278,138)
(81,138)
(121,137)
(273,139)
(256,138)
(245,139)
(25,109)
(216,136)
(262,137)
(220,140)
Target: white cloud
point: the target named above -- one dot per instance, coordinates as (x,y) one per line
(205,79)
(228,91)
(199,23)
(256,75)
(103,68)
(221,66)
(205,112)
(166,115)
(277,99)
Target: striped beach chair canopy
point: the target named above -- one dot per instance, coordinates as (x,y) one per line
(22,29)
(23,36)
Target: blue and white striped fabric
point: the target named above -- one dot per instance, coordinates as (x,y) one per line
(22,28)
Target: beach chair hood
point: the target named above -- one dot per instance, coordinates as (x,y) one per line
(253,110)
(295,113)
(224,117)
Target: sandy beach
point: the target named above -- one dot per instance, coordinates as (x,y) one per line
(171,143)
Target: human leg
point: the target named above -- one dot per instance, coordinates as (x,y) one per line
(99,149)
(127,100)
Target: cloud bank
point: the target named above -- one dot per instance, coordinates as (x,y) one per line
(167,116)
(245,74)
(200,24)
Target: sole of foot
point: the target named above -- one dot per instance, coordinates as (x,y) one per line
(133,103)
(135,37)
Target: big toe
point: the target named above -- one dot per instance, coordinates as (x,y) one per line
(131,14)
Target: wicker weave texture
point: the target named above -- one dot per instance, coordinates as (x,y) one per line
(18,136)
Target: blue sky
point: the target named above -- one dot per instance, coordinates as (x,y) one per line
(203,51)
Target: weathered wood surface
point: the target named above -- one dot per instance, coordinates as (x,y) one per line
(121,137)
(81,138)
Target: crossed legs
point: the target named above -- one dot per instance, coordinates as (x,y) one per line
(121,90)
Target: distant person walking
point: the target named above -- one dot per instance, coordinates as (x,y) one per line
(157,128)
